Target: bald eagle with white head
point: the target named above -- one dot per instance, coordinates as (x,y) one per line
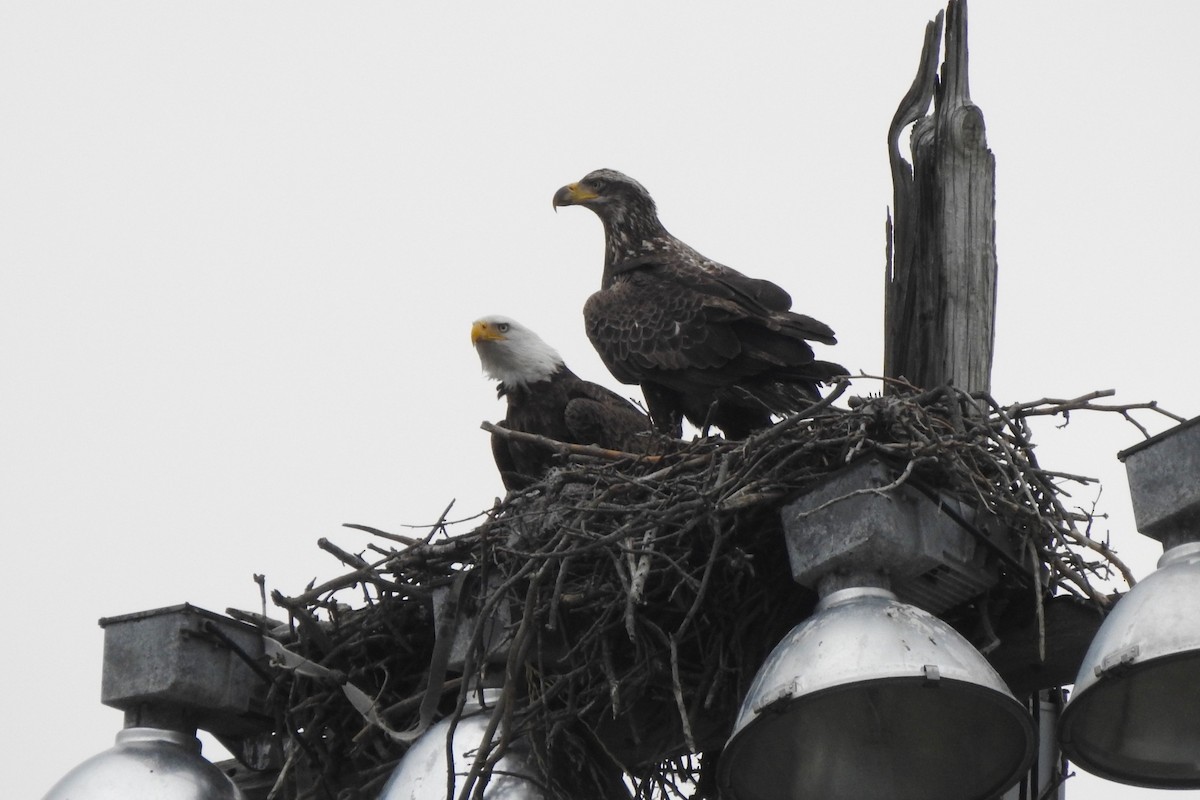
(703,340)
(546,398)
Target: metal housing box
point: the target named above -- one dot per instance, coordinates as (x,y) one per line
(845,525)
(179,659)
(1164,483)
(468,608)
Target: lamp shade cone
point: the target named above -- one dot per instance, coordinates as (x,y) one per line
(1134,715)
(871,697)
(147,764)
(425,772)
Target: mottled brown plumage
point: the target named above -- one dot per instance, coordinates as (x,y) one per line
(703,340)
(547,398)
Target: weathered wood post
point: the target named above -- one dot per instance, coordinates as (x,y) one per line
(940,293)
(940,300)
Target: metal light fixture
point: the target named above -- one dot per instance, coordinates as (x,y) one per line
(442,757)
(425,772)
(872,696)
(171,670)
(1134,716)
(146,764)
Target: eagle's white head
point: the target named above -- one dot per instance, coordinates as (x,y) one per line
(511,353)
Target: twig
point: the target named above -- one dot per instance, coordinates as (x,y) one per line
(882,491)
(395,537)
(567,449)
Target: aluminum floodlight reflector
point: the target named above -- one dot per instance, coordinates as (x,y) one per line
(871,697)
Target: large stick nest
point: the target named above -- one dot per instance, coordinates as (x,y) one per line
(623,605)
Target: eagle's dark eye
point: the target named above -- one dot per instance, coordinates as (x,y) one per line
(503,326)
(599,186)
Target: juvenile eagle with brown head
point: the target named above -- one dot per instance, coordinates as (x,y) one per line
(704,341)
(547,398)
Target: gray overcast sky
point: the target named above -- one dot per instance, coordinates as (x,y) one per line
(242,245)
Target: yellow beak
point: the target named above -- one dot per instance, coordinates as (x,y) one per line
(573,194)
(480,330)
